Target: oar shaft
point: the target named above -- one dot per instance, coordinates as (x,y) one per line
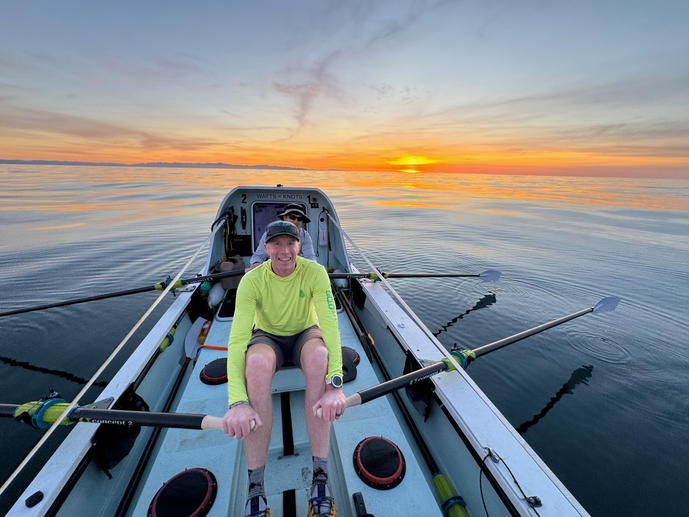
(394,384)
(79,300)
(374,276)
(159,286)
(496,345)
(374,392)
(214,276)
(430,275)
(123,417)
(147,418)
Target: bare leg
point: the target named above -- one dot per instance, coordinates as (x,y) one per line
(260,368)
(314,364)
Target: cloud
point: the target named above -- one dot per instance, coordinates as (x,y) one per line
(321,78)
(63,125)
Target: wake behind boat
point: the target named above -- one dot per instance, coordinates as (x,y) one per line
(419,437)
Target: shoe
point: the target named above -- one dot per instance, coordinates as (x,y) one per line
(321,504)
(257,507)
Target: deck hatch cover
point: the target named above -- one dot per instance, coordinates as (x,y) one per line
(188,494)
(379,462)
(215,372)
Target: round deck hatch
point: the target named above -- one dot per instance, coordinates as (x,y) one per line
(188,494)
(215,372)
(379,462)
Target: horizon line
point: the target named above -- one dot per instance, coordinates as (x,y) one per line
(223,165)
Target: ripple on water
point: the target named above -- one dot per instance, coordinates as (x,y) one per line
(603,348)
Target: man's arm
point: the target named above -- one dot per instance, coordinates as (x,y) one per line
(307,246)
(240,418)
(242,323)
(324,304)
(260,255)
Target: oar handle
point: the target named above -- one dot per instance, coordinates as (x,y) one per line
(211,422)
(351,401)
(215,422)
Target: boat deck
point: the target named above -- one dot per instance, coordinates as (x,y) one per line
(179,449)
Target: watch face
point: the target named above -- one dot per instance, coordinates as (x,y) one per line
(336,381)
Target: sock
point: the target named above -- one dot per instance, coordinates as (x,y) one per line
(256,482)
(255,506)
(320,470)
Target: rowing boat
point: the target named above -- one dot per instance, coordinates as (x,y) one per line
(419,438)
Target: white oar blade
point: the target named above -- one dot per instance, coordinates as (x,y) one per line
(606,304)
(490,275)
(191,342)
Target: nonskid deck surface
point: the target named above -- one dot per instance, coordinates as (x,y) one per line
(180,449)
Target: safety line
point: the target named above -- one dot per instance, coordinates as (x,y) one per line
(406,307)
(97,374)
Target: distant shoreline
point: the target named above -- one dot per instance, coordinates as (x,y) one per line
(218,165)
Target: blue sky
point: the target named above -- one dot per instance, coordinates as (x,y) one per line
(599,86)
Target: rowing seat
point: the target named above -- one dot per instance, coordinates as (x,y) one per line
(288,379)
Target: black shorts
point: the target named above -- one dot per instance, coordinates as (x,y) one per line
(287,348)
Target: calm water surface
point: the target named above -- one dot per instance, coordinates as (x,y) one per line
(603,399)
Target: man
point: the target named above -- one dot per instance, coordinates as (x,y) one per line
(290,300)
(294,213)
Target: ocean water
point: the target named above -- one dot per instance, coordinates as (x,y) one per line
(604,399)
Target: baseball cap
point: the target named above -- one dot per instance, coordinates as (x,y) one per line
(281,228)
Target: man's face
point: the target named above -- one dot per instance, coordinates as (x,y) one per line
(294,218)
(282,251)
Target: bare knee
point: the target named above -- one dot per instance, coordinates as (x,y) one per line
(314,358)
(260,367)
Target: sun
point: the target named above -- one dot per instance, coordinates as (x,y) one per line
(411,163)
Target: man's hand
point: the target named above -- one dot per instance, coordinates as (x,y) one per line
(240,420)
(332,404)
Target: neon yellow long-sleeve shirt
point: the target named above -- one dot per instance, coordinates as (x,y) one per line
(283,306)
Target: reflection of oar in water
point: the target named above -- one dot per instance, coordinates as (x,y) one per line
(65,375)
(464,357)
(581,374)
(160,286)
(484,302)
(486,276)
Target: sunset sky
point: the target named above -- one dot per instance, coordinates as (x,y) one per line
(526,87)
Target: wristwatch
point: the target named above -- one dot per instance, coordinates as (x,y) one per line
(335,381)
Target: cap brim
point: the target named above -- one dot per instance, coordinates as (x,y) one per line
(268,239)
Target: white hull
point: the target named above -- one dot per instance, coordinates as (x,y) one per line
(463,423)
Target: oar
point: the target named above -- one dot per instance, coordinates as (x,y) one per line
(487,276)
(490,275)
(160,286)
(466,356)
(37,415)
